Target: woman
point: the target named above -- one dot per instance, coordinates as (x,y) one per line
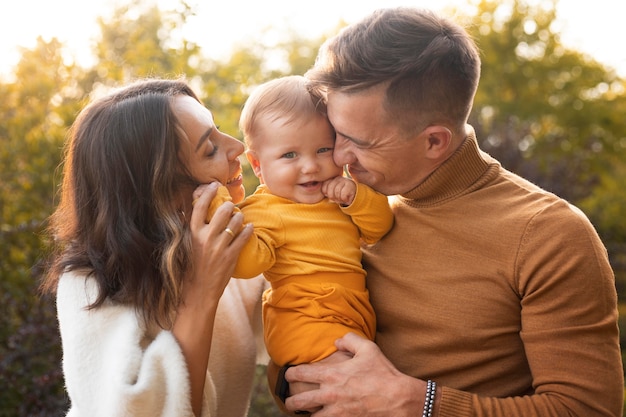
(138,273)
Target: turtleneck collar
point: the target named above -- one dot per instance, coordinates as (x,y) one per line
(455,176)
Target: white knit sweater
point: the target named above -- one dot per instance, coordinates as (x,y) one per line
(113,366)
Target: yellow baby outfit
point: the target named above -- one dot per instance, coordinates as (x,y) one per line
(311,255)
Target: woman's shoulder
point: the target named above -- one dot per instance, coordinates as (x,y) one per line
(77,287)
(76,293)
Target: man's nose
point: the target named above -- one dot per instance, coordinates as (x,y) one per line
(341,152)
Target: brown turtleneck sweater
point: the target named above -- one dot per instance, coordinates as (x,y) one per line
(499,291)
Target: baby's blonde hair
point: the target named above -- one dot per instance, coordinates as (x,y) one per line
(286,98)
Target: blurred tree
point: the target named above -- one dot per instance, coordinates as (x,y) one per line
(541,107)
(34,112)
(140,40)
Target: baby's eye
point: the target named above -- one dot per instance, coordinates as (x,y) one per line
(289,155)
(323,150)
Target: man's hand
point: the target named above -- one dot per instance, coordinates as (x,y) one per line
(365,385)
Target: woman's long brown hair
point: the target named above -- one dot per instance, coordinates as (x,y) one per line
(118,219)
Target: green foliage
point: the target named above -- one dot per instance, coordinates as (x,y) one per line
(262,403)
(140,41)
(606,206)
(30,371)
(551,114)
(544,109)
(35,113)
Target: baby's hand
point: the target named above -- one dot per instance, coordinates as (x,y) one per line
(220,198)
(198,192)
(340,190)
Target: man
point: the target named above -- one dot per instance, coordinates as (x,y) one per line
(493,297)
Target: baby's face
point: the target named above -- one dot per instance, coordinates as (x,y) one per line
(294,159)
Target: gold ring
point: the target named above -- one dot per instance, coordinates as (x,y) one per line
(230,232)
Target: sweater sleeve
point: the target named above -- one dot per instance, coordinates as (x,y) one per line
(569,324)
(112,366)
(259,253)
(371,213)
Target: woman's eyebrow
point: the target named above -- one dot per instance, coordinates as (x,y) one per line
(204,138)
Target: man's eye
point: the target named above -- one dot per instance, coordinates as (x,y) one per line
(289,155)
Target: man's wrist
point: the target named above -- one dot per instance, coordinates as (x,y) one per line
(429,400)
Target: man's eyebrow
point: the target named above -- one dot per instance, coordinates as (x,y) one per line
(352,139)
(204,137)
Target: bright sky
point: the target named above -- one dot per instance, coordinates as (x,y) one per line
(596,28)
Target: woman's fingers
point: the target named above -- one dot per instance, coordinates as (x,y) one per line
(203,195)
(235,227)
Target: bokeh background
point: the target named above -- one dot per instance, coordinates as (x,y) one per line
(551,107)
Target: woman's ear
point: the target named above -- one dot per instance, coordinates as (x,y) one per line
(438,141)
(254,163)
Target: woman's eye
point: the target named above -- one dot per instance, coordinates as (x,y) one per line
(289,155)
(212,152)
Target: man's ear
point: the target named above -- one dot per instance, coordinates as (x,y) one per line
(254,163)
(438,141)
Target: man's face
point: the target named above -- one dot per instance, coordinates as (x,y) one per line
(377,152)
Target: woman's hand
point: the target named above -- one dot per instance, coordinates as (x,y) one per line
(215,248)
(216,244)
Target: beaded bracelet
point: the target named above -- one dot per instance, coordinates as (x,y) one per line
(429,401)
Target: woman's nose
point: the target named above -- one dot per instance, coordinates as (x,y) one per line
(235,148)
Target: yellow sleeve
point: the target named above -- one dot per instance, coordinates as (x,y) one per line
(259,253)
(371,213)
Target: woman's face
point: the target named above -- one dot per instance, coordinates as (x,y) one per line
(209,154)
